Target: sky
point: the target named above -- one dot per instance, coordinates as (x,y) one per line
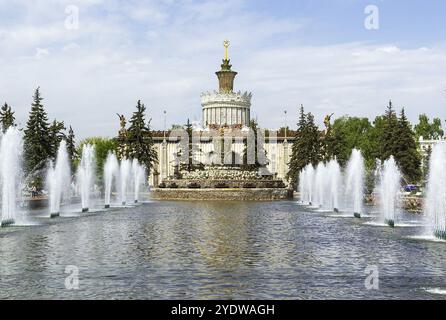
(95,58)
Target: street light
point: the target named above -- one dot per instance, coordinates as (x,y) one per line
(165,125)
(286,126)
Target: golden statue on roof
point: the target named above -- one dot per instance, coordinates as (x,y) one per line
(226,44)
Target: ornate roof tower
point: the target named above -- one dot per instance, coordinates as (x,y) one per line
(226,108)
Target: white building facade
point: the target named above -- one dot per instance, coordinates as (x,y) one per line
(222,110)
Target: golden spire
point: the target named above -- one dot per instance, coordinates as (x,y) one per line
(226,44)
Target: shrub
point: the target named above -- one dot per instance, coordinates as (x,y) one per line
(193,185)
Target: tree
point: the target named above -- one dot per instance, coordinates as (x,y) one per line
(306,147)
(189,165)
(374,138)
(406,152)
(102,147)
(71,149)
(350,133)
(427,130)
(37,148)
(140,139)
(56,135)
(388,137)
(7,118)
(259,149)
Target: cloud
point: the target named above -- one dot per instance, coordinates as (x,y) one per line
(166,53)
(40,53)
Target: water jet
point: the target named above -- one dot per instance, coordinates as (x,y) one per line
(124,180)
(355,182)
(435,207)
(86,176)
(58,180)
(111,174)
(10,159)
(389,196)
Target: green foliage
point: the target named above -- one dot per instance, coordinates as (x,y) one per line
(306,147)
(102,147)
(259,149)
(406,150)
(7,118)
(139,139)
(387,136)
(71,149)
(56,135)
(189,165)
(427,130)
(37,147)
(388,142)
(350,133)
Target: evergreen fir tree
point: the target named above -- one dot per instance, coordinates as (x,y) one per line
(406,152)
(189,165)
(7,118)
(313,138)
(332,145)
(37,148)
(140,138)
(56,135)
(259,149)
(388,139)
(71,149)
(306,147)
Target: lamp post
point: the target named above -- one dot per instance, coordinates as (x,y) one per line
(164,162)
(286,126)
(165,126)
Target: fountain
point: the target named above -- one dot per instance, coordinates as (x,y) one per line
(58,180)
(436,190)
(111,173)
(390,183)
(124,180)
(10,159)
(301,183)
(355,182)
(306,183)
(86,175)
(334,178)
(320,186)
(138,178)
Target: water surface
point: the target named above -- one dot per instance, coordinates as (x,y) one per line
(218,250)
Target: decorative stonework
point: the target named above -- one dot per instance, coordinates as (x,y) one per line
(221,194)
(226,109)
(208,99)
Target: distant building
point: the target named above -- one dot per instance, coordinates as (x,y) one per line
(426,144)
(222,110)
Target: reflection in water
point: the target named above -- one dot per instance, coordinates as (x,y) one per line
(219,250)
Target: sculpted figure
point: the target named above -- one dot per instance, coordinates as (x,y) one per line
(122,121)
(327,121)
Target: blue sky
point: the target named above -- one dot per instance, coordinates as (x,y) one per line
(410,23)
(317,53)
